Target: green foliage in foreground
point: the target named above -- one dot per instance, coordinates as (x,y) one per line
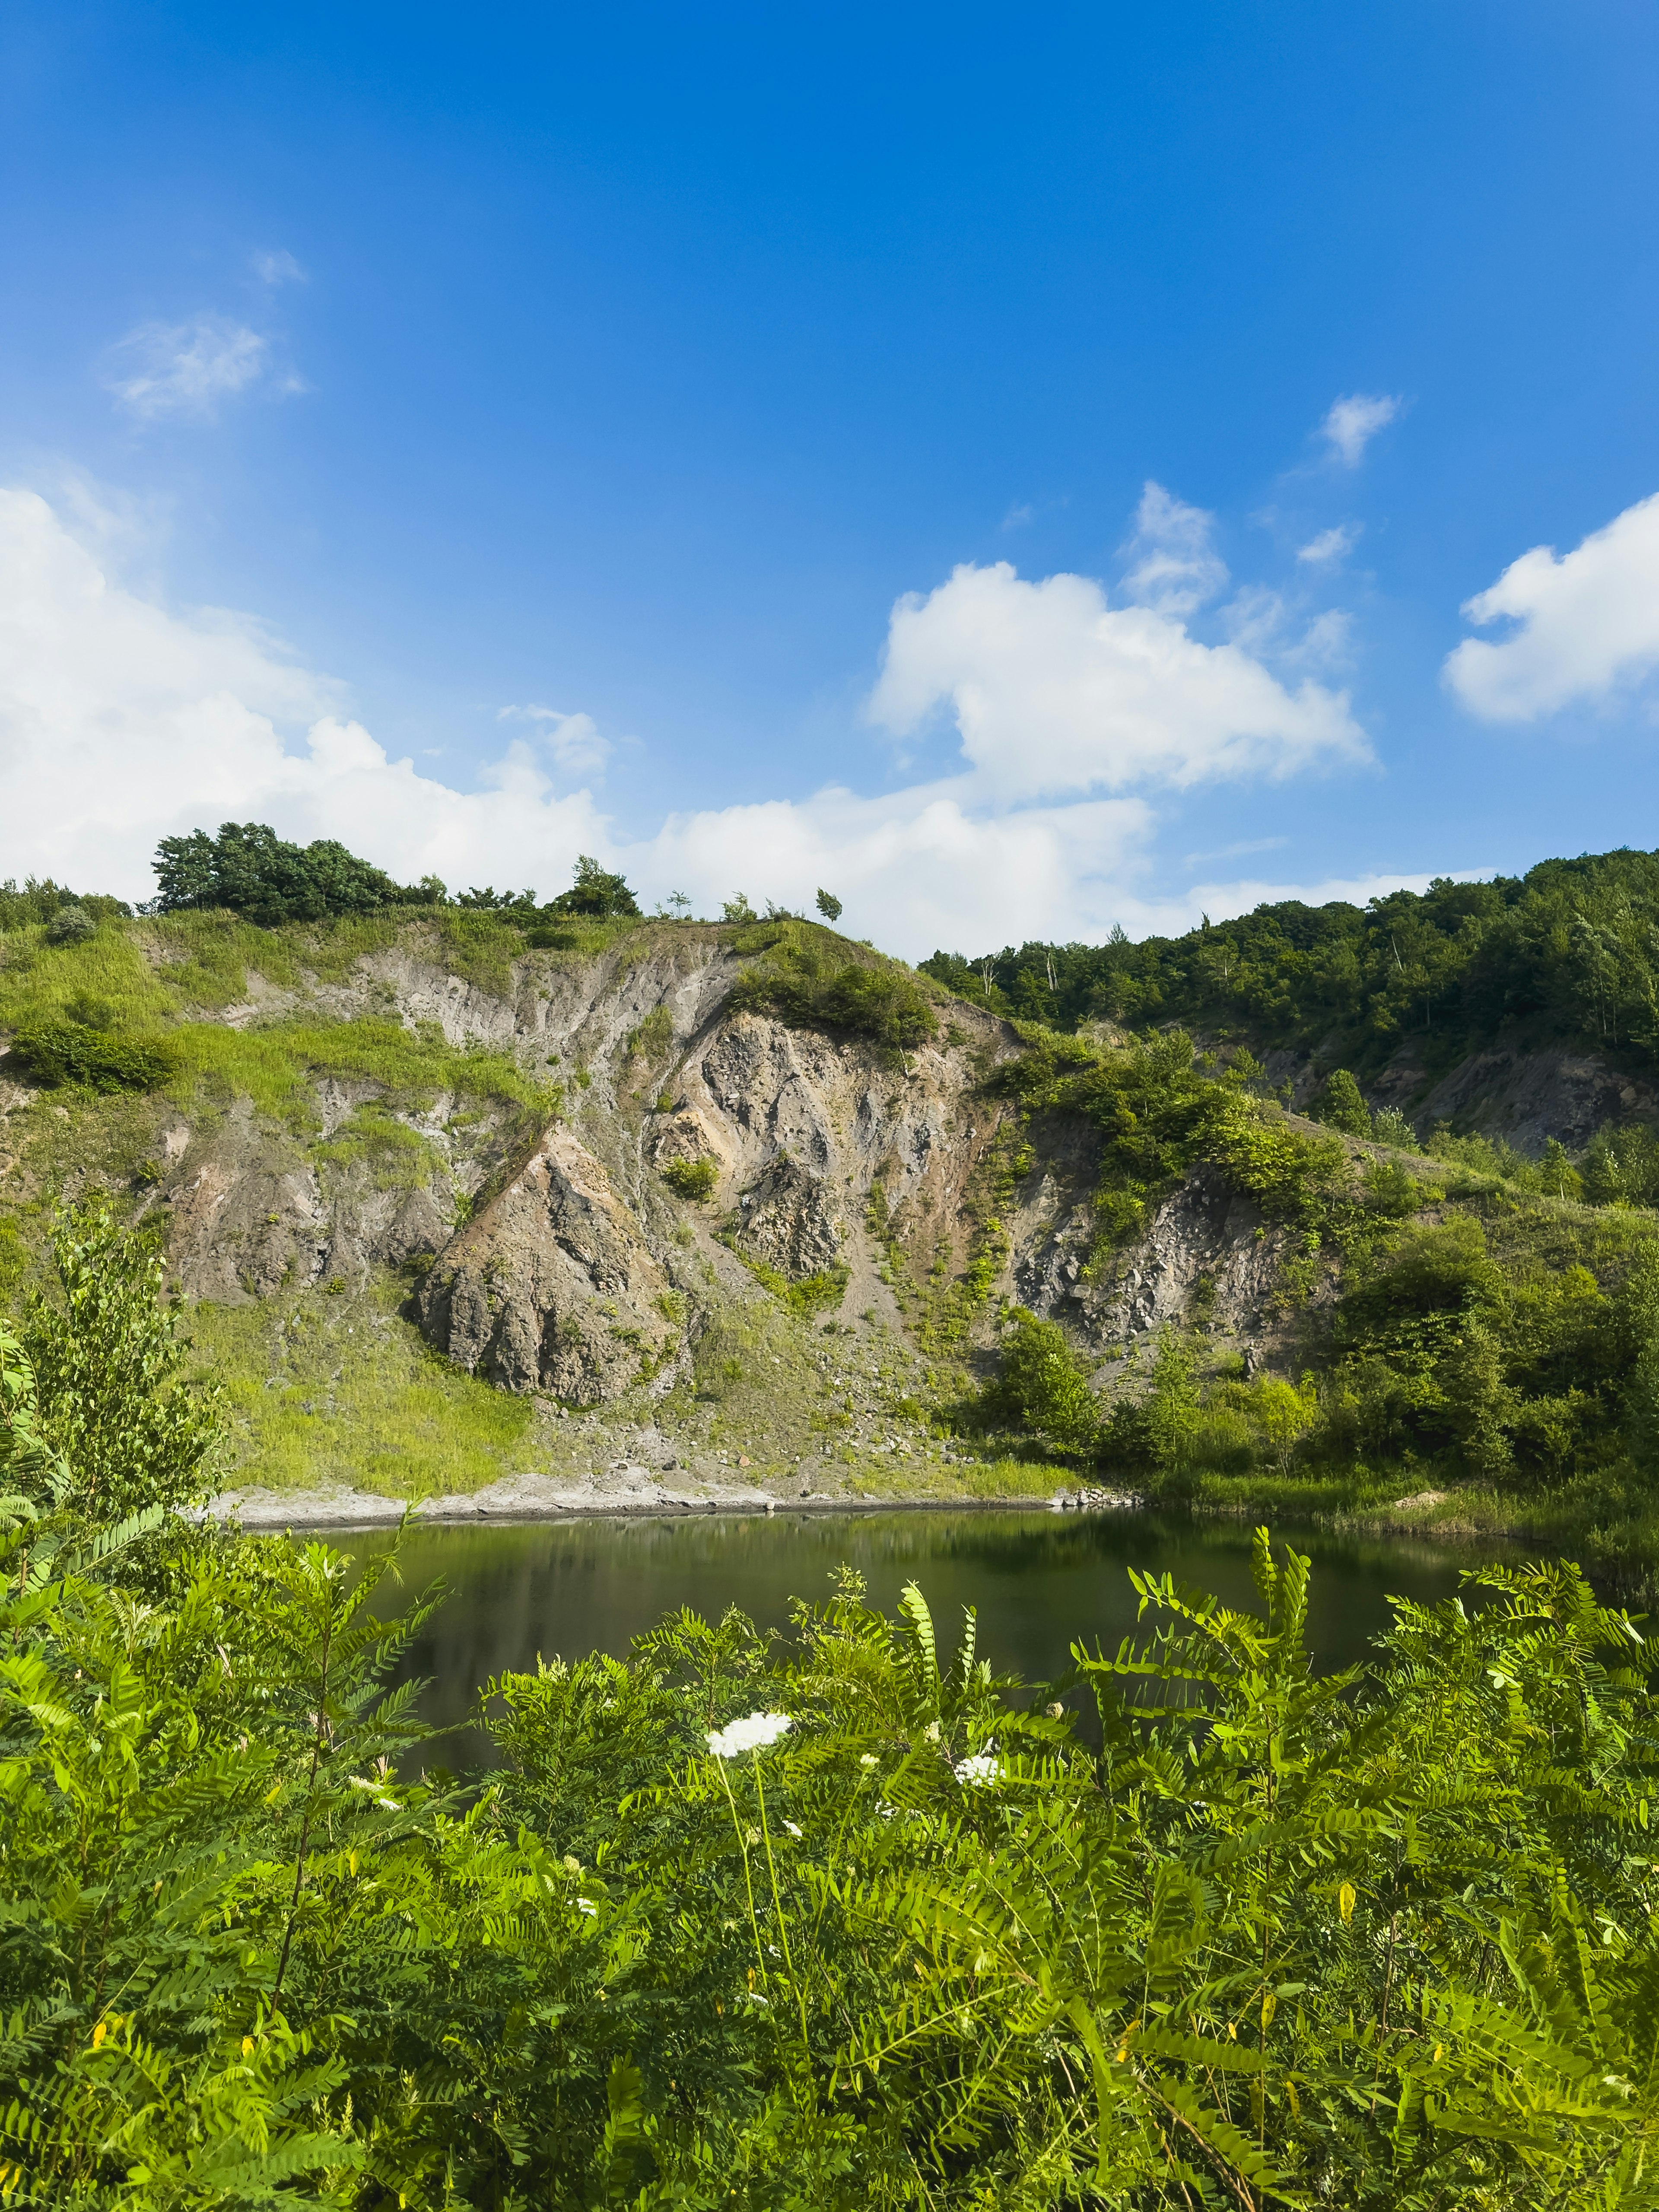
(1385,1939)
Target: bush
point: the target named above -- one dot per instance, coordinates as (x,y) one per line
(108,1365)
(67,1053)
(1042,1389)
(691,1179)
(70,925)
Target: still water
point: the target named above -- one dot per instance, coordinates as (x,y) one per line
(1040,1581)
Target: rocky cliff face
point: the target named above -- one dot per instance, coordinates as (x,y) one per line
(861,1198)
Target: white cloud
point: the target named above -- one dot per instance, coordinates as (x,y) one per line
(1589,623)
(185,369)
(1353,422)
(573,740)
(1169,917)
(916,870)
(121,722)
(1053,691)
(1178,568)
(1332,544)
(278,267)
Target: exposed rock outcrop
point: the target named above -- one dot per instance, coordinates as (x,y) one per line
(552,1286)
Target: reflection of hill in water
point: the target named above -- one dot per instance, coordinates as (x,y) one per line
(1040,1582)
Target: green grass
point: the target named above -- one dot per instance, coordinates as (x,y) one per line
(274,1067)
(988,1480)
(387,1414)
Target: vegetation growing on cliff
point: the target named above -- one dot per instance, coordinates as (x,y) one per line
(805,978)
(1473,1329)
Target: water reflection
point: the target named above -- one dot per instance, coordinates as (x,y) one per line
(1040,1581)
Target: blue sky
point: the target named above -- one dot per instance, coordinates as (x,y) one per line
(561,402)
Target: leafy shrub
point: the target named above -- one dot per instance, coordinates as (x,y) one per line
(691,1179)
(67,1053)
(108,1363)
(1621,1167)
(1390,1127)
(1040,1389)
(804,1295)
(70,925)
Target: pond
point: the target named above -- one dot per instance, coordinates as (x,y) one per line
(1039,1581)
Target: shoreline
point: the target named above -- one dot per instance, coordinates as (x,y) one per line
(526,1501)
(529,1500)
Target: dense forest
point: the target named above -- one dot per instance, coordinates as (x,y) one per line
(1569,951)
(842,1920)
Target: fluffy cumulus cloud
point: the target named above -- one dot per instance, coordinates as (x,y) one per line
(1053,691)
(573,740)
(1352,422)
(1587,624)
(121,722)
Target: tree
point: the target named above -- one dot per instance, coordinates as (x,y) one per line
(1284,1415)
(1342,1105)
(1042,1387)
(252,870)
(828,906)
(113,1397)
(738,909)
(1172,1408)
(596,894)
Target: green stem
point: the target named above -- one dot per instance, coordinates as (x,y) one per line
(748,1883)
(777,1905)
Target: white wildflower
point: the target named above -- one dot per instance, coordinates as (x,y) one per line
(793,1829)
(983,1767)
(582,1905)
(931,1731)
(869,1759)
(755,1734)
